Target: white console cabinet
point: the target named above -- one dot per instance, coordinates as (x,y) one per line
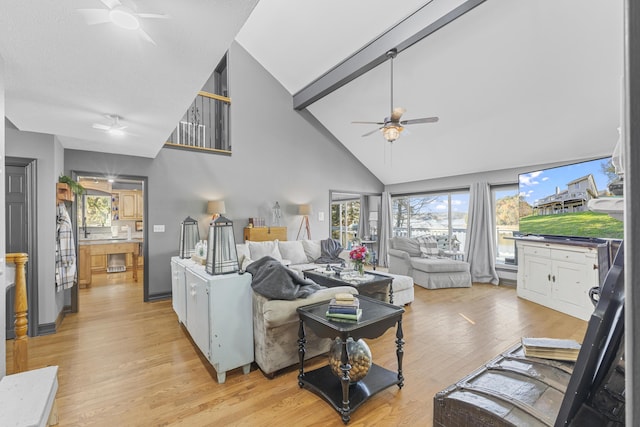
(560,275)
(178,290)
(218,315)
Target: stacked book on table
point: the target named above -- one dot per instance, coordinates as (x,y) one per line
(551,348)
(344,306)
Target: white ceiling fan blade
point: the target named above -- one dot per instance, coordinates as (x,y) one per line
(372,132)
(95,16)
(397,113)
(152,15)
(146,36)
(100,126)
(367,123)
(111,3)
(417,121)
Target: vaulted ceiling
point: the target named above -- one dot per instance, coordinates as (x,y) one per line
(513,83)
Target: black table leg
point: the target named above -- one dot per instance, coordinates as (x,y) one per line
(301,351)
(345,367)
(400,352)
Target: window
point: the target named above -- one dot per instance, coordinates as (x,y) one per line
(506,201)
(94,211)
(434,214)
(345,219)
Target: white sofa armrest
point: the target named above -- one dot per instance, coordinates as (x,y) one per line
(399,262)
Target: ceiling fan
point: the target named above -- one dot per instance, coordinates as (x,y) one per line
(115,128)
(392,126)
(123,16)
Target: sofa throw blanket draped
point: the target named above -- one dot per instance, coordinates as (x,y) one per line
(273,280)
(329,252)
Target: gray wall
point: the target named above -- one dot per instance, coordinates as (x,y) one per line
(497,177)
(278,155)
(49,155)
(3,328)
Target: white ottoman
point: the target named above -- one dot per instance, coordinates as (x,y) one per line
(402,288)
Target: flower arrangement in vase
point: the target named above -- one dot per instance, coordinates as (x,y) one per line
(359,255)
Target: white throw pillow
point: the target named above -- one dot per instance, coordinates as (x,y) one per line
(293,251)
(243,252)
(312,249)
(263,249)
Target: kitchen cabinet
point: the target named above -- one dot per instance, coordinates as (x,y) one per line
(217,314)
(84,270)
(98,263)
(559,276)
(127,205)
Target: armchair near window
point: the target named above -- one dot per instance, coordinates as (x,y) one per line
(432,272)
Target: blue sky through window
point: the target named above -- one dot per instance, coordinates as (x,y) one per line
(539,184)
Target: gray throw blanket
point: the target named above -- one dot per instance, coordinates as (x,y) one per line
(273,280)
(329,251)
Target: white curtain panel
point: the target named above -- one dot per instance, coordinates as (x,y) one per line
(479,245)
(384,229)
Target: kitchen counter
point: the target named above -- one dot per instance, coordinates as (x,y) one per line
(96,247)
(109,241)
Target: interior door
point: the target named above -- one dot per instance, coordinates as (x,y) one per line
(18,211)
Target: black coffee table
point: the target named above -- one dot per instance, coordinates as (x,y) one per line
(344,396)
(371,284)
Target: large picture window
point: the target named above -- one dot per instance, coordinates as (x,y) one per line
(434,214)
(506,201)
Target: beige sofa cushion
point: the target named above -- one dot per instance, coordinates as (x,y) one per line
(262,249)
(279,312)
(293,251)
(312,249)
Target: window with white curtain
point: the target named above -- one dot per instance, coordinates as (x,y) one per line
(506,201)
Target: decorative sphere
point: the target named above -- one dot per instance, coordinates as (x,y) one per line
(359,358)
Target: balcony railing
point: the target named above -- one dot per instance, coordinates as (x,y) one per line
(205,125)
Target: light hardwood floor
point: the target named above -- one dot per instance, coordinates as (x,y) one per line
(123,362)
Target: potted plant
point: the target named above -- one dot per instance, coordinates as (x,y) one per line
(74,186)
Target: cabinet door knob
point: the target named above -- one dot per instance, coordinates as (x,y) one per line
(548,277)
(553,278)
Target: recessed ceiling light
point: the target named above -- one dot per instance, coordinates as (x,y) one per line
(124,17)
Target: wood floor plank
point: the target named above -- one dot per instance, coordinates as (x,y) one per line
(125,362)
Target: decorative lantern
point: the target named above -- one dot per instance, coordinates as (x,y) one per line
(222,257)
(189,236)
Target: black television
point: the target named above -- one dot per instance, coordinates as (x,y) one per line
(553,201)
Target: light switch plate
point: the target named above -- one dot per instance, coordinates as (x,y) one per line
(158,228)
(320,216)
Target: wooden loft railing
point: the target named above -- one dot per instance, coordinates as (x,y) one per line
(20,345)
(205,126)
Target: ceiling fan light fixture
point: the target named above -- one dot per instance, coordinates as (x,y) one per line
(392,132)
(124,17)
(116,132)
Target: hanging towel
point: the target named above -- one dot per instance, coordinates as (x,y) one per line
(65,251)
